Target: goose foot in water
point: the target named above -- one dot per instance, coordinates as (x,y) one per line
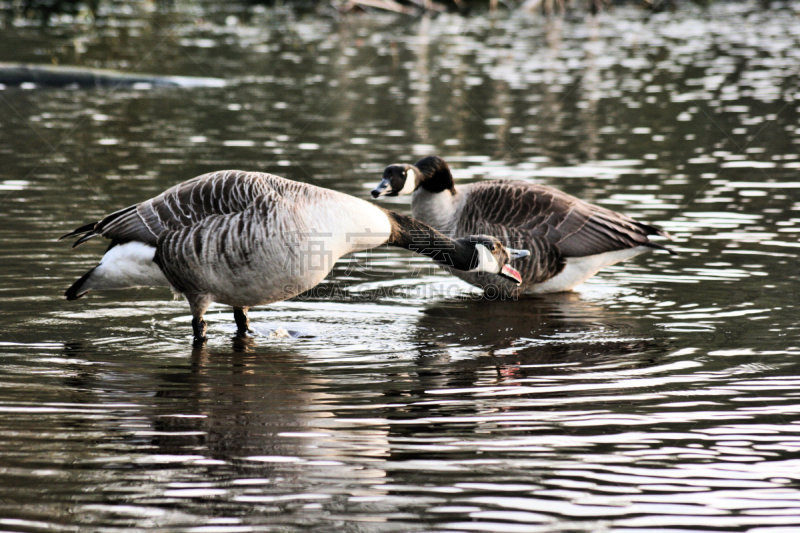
(199,327)
(198,303)
(242,321)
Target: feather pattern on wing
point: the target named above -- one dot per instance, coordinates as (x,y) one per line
(542,216)
(226,254)
(241,238)
(217,193)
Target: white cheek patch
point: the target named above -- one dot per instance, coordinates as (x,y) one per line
(411,182)
(486,261)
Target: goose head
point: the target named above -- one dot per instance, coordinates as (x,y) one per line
(431,173)
(397,179)
(487,254)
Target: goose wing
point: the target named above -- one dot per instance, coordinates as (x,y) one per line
(540,214)
(225,254)
(185,204)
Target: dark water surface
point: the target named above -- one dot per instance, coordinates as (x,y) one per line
(663,395)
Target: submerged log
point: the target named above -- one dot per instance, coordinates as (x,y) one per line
(16,74)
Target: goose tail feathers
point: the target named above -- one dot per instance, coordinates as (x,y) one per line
(657,246)
(653,230)
(87,231)
(77,289)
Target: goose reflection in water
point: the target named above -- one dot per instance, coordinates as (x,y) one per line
(560,329)
(245,398)
(264,421)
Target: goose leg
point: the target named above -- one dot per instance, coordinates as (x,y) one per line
(199,328)
(242,321)
(199,305)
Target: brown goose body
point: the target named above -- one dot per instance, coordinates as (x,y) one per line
(570,240)
(249,238)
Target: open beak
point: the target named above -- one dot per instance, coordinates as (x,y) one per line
(517,254)
(511,273)
(380,190)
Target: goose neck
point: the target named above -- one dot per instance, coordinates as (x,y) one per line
(421,238)
(436,209)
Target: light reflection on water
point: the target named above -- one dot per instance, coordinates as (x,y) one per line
(659,396)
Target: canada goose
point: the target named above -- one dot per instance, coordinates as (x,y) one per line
(570,240)
(249,238)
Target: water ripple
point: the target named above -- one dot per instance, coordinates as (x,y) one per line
(660,396)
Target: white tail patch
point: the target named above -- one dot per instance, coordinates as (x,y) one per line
(579,269)
(127,265)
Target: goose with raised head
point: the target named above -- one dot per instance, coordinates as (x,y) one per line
(248,238)
(570,240)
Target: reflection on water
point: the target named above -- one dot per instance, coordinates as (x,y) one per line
(659,396)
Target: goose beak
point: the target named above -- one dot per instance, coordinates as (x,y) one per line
(380,190)
(517,254)
(511,273)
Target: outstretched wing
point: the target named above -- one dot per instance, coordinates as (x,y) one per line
(540,214)
(185,204)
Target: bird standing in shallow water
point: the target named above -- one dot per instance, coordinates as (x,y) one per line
(248,238)
(570,240)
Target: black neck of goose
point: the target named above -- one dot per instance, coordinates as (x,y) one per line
(436,175)
(418,237)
